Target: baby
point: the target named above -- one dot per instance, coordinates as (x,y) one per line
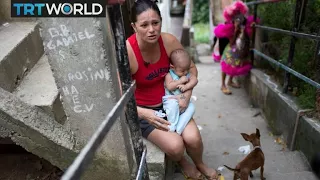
(178,80)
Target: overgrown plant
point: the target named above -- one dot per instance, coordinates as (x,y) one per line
(200,12)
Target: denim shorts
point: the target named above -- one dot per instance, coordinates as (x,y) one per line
(145,127)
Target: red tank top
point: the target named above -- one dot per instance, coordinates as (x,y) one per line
(149,78)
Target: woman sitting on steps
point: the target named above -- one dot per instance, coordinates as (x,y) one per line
(148,51)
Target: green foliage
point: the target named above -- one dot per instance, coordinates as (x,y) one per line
(280,15)
(201,33)
(200,12)
(200,21)
(307,98)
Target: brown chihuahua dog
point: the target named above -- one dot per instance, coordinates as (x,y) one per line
(252,161)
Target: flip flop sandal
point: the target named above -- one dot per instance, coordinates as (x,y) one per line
(221,177)
(218,177)
(234,85)
(201,177)
(226,91)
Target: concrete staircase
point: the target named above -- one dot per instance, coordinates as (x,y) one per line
(25,70)
(31,112)
(20,51)
(30,107)
(222,118)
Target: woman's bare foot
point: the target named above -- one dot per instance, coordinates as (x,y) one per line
(210,173)
(225,90)
(234,85)
(188,170)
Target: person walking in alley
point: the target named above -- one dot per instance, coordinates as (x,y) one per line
(235,57)
(148,51)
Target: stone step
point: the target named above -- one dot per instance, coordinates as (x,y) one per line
(37,132)
(155,160)
(231,145)
(277,164)
(305,175)
(38,88)
(20,48)
(229,138)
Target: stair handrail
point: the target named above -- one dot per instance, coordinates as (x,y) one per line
(299,14)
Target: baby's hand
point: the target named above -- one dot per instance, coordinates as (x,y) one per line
(182,87)
(184,79)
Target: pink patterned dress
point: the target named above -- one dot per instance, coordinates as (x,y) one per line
(231,63)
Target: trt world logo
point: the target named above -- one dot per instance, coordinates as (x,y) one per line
(58,8)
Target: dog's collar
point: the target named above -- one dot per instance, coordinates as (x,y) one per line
(257,147)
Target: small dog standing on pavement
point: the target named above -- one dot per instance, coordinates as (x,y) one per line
(252,161)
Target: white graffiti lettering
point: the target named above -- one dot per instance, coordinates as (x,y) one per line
(63,37)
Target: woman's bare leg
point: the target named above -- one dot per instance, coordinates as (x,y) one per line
(224,88)
(169,142)
(223,79)
(233,84)
(194,146)
(172,144)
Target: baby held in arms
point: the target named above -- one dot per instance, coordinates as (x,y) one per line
(177,81)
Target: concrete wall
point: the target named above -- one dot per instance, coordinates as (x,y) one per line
(19,53)
(280,111)
(5,13)
(278,108)
(307,138)
(5,10)
(32,124)
(82,57)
